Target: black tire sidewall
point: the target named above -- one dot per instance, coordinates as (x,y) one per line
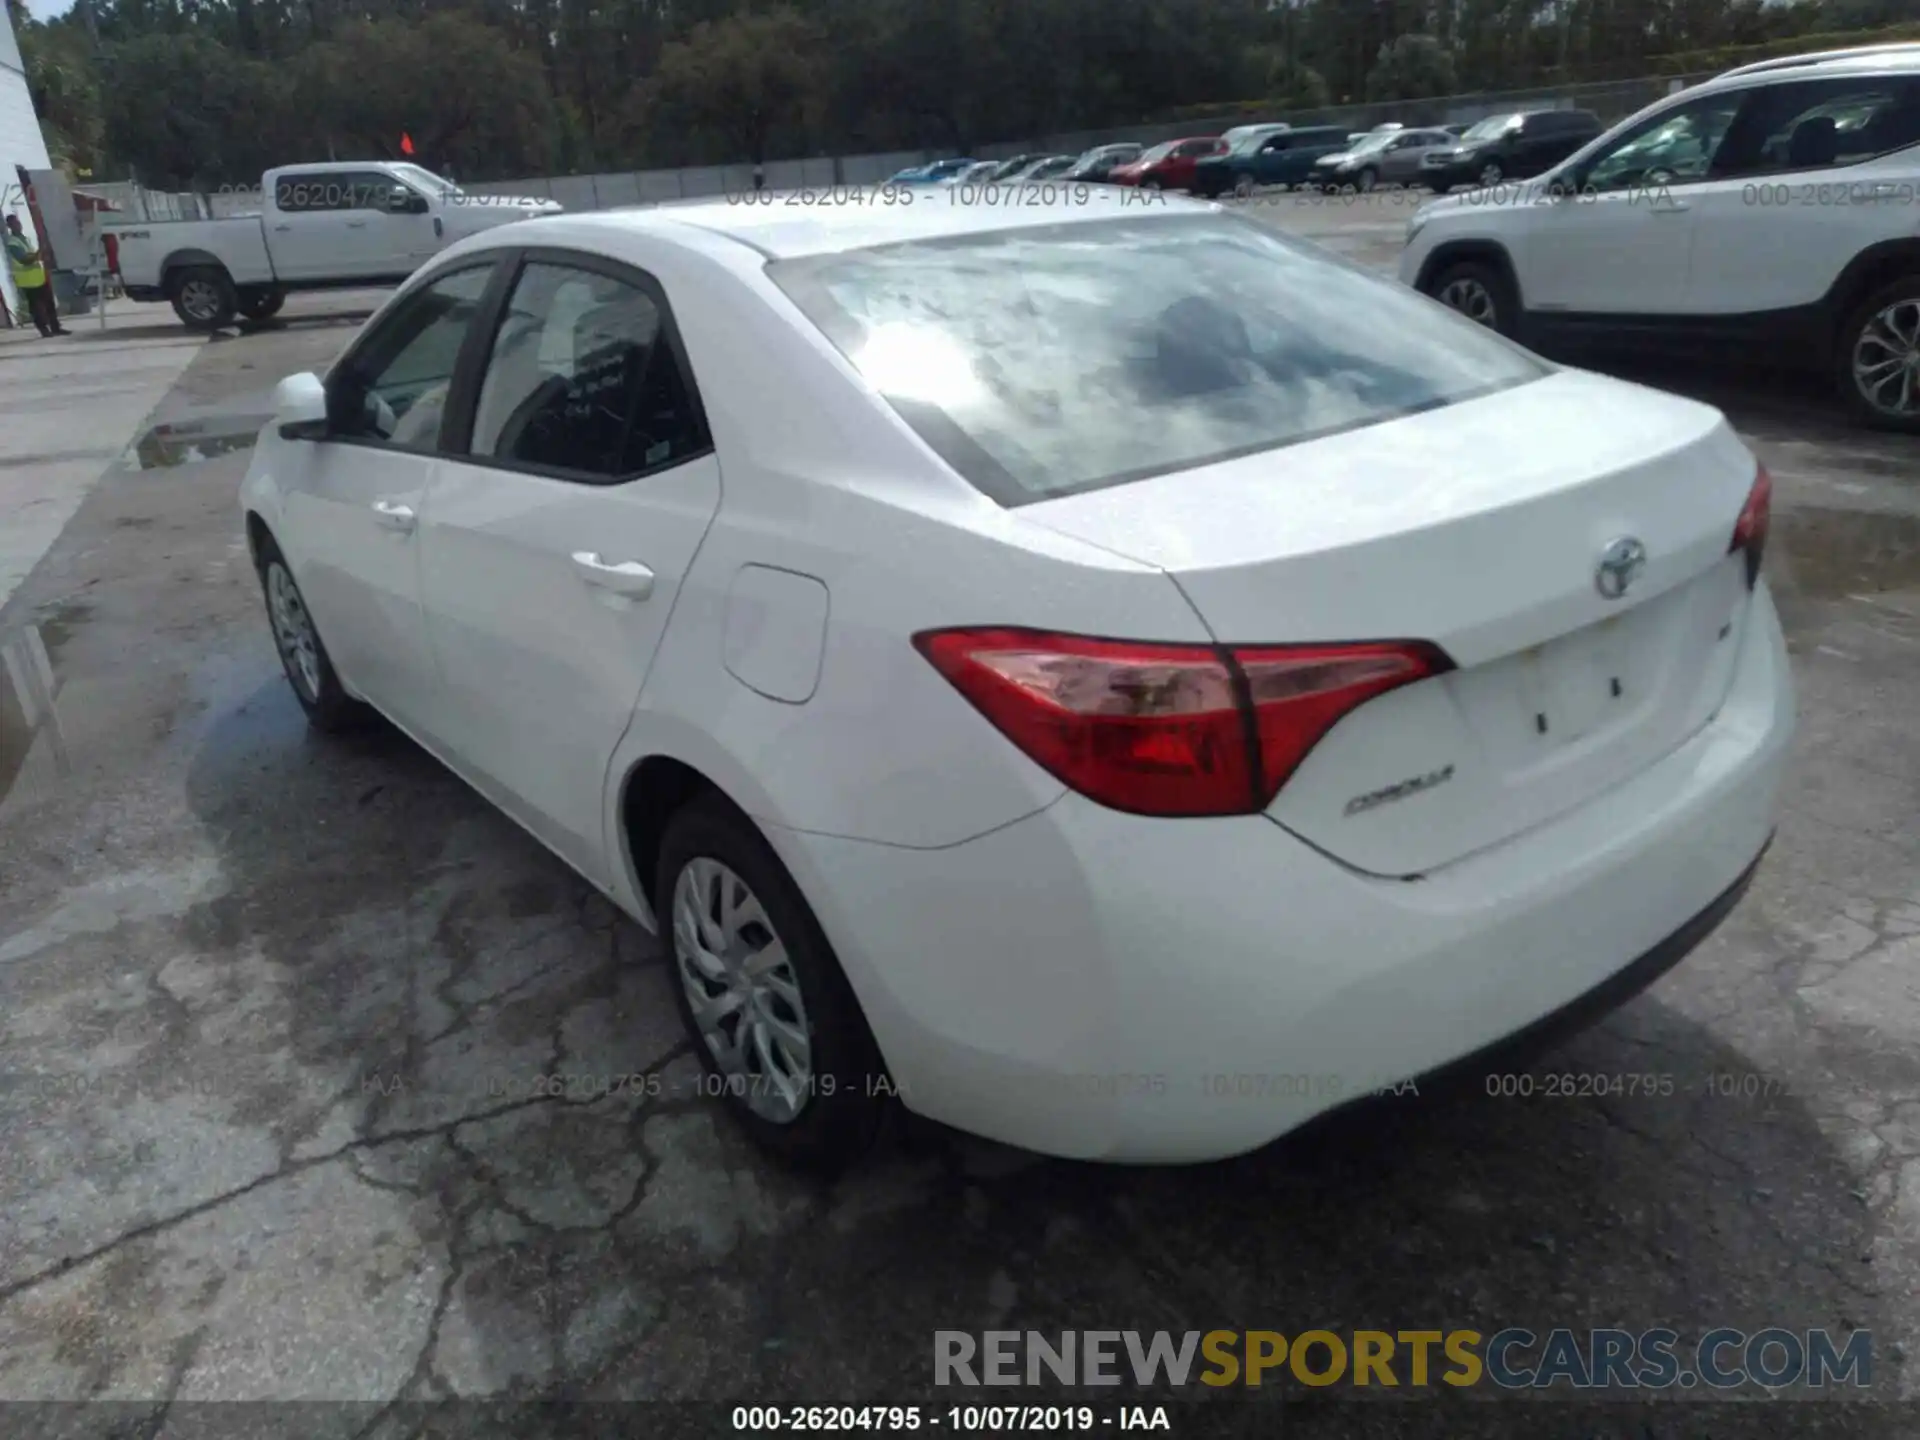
(263,306)
(1907,287)
(332,710)
(229,298)
(833,1129)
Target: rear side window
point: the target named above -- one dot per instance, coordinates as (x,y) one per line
(1817,124)
(1046,361)
(583,380)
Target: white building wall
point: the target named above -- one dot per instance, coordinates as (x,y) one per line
(21,142)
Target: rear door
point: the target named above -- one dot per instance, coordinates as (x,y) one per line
(555,546)
(1814,172)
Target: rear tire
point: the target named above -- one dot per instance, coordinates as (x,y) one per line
(204,298)
(1481,293)
(262,304)
(1877,360)
(725,902)
(316,685)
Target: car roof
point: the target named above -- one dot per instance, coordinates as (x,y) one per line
(781,231)
(1899,56)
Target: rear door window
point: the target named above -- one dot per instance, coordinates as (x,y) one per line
(1039,362)
(1820,124)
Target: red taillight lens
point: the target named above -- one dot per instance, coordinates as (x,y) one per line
(1750,530)
(1167,729)
(1298,693)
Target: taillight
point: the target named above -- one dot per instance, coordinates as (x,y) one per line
(1750,530)
(1168,729)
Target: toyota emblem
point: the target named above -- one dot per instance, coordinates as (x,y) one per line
(1620,565)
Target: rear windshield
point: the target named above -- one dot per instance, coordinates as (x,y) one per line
(1041,362)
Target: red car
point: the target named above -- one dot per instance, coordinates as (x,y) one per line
(1168,166)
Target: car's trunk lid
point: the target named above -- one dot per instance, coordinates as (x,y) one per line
(1479,527)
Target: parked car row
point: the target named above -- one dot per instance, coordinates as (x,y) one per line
(1246,158)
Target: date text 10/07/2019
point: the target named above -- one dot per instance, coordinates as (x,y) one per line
(965,1419)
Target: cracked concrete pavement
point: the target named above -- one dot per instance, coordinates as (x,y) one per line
(320,1081)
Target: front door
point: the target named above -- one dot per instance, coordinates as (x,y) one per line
(354,507)
(552,552)
(1619,239)
(332,225)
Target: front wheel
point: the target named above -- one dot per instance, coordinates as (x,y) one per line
(262,304)
(1480,293)
(1491,173)
(779,1034)
(1878,357)
(1243,187)
(204,298)
(302,655)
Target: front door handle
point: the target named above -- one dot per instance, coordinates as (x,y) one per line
(394,516)
(356,224)
(283,228)
(1671,207)
(625,577)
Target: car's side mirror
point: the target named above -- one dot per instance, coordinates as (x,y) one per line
(300,407)
(402,201)
(347,411)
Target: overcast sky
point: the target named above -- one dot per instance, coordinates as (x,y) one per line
(47,9)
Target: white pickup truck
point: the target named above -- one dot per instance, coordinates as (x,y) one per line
(327,226)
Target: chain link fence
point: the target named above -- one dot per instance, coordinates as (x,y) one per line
(1611,101)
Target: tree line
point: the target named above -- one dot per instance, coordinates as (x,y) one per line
(200,93)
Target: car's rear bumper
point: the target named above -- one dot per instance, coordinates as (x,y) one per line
(1113,987)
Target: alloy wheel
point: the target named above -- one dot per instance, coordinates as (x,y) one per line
(1491,174)
(1886,360)
(1472,299)
(742,990)
(200,299)
(293,630)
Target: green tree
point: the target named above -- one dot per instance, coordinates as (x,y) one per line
(1413,67)
(743,88)
(63,80)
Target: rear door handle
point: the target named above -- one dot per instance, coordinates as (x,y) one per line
(356,224)
(625,577)
(394,516)
(283,228)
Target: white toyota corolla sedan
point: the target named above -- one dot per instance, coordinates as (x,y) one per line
(1119,679)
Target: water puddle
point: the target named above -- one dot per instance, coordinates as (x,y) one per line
(1833,554)
(187,442)
(34,756)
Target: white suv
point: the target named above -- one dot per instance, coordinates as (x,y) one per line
(1774,207)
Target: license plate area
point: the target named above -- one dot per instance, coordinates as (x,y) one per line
(1581,683)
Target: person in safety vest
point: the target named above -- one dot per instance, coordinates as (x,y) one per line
(30,279)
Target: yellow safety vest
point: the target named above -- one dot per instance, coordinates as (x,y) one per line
(27,275)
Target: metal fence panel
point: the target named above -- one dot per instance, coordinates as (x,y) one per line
(616,190)
(576,192)
(659,186)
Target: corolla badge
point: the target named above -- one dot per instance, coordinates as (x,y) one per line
(1620,565)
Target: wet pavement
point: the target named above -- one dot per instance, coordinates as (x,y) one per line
(320,1080)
